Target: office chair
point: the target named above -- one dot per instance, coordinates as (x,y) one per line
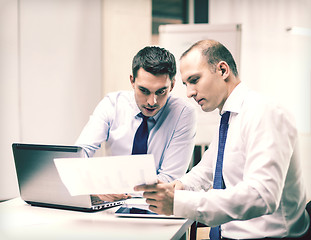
(194,228)
(308,208)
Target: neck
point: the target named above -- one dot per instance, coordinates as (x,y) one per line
(232,82)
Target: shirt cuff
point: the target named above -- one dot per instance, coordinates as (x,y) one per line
(185,204)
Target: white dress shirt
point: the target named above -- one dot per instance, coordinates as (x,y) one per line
(265,195)
(171,132)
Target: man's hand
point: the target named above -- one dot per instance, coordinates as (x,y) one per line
(111,197)
(178,185)
(160,196)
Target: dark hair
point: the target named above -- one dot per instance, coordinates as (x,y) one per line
(155,60)
(214,52)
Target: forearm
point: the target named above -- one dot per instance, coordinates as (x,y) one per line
(95,131)
(88,149)
(89,141)
(216,207)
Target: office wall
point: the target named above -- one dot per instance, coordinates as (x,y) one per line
(50,74)
(274,61)
(60,67)
(9,98)
(58,58)
(126,29)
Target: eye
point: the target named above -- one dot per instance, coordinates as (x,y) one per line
(144,91)
(161,92)
(194,80)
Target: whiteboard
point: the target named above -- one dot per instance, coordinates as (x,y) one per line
(177,38)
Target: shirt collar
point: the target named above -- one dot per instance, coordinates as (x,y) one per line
(158,114)
(235,100)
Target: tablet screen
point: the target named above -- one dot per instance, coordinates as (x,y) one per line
(138,212)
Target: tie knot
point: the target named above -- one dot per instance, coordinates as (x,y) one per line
(143,116)
(225,118)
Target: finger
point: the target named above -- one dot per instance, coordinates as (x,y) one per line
(154,209)
(105,197)
(152,202)
(112,197)
(127,196)
(151,195)
(122,196)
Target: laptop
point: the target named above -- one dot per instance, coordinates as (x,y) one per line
(39,181)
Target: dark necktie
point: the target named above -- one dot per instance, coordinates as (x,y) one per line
(141,137)
(218,179)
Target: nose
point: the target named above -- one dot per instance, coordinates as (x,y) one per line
(191,92)
(152,100)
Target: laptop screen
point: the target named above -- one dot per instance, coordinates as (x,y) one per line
(37,175)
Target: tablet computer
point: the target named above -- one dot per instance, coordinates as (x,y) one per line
(135,212)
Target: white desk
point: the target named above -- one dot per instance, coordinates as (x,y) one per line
(19,220)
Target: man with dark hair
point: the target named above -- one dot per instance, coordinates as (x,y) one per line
(248,184)
(169,122)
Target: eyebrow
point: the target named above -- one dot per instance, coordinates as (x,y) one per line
(140,87)
(163,88)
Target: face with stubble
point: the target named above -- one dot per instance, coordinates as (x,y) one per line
(151,91)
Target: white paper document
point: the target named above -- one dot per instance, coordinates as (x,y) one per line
(106,175)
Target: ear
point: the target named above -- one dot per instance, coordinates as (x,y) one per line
(172,83)
(223,69)
(132,80)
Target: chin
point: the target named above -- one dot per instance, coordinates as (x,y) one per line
(206,109)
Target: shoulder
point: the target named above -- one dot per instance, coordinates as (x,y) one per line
(115,101)
(259,109)
(258,103)
(179,111)
(177,104)
(122,97)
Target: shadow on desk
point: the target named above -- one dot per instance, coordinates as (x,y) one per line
(22,221)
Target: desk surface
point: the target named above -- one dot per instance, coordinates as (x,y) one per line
(19,220)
